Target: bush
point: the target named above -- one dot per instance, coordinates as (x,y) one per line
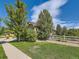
(42,35)
(31,35)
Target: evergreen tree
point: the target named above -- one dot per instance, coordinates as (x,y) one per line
(44,24)
(58,30)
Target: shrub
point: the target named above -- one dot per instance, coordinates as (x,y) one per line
(31,35)
(42,35)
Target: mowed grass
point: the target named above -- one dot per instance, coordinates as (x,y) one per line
(2,54)
(47,50)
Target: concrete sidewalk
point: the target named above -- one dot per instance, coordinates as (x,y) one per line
(14,53)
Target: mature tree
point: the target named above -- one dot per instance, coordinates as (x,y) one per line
(73,32)
(17,22)
(64,30)
(1,26)
(58,30)
(17,19)
(1,22)
(44,25)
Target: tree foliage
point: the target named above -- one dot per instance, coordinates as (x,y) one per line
(44,25)
(1,27)
(64,31)
(73,32)
(18,20)
(58,30)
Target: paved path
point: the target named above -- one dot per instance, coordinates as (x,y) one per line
(62,43)
(13,53)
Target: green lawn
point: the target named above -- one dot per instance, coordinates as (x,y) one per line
(48,50)
(2,54)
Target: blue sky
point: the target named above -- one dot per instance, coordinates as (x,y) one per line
(70,13)
(30,4)
(64,12)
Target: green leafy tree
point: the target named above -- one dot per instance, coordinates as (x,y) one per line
(17,19)
(58,30)
(44,25)
(1,27)
(31,35)
(73,32)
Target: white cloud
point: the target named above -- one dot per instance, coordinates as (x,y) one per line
(73,25)
(53,6)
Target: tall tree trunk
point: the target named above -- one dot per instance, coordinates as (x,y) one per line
(18,37)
